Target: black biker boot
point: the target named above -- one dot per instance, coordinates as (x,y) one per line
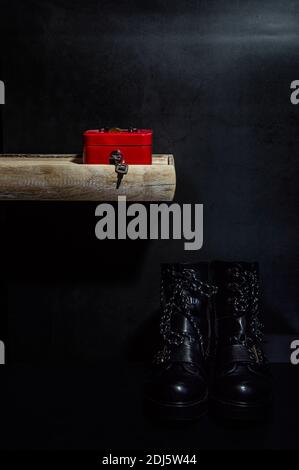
(177,388)
(241,388)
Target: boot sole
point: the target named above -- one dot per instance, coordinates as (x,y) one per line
(237,411)
(176,412)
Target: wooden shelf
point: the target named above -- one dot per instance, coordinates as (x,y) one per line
(66,178)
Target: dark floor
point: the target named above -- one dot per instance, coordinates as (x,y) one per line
(101,408)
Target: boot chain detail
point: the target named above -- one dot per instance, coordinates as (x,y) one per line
(181,285)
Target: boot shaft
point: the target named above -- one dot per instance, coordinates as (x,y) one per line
(185,293)
(237,303)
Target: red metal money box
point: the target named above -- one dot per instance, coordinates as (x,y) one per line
(134,146)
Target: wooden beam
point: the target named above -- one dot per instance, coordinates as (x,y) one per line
(66,178)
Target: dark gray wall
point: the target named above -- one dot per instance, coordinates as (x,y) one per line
(212,79)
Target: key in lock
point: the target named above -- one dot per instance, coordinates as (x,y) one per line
(121,167)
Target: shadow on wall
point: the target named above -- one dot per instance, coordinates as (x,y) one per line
(56,241)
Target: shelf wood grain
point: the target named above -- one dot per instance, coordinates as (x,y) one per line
(66,178)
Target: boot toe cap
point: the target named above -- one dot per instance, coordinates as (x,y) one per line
(170,388)
(244,389)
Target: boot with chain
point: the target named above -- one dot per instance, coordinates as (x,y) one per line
(241,388)
(177,388)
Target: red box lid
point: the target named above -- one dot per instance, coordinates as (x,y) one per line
(118,137)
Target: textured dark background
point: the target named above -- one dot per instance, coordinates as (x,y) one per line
(212,78)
